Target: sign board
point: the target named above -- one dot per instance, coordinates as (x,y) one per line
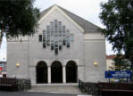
(118,74)
(1,69)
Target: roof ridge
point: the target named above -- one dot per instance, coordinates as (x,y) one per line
(85,24)
(78,16)
(45,11)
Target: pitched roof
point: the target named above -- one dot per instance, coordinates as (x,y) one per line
(114,56)
(110,56)
(86,25)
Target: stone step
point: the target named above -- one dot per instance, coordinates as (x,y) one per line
(56,88)
(84,95)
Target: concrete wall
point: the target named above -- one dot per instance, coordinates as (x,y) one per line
(17,53)
(94,51)
(110,64)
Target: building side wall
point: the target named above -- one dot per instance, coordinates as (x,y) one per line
(17,53)
(110,64)
(94,52)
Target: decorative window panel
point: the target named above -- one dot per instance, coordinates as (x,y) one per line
(56,35)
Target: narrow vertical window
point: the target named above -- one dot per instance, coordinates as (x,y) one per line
(40,38)
(44,45)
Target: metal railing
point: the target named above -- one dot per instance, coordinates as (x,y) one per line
(88,87)
(13,84)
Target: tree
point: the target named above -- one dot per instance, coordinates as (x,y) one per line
(117,16)
(121,63)
(18,17)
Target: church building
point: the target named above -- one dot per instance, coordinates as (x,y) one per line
(64,49)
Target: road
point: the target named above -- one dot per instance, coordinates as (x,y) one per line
(32,94)
(35,94)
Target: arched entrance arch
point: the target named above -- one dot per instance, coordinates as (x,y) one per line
(56,72)
(41,72)
(71,72)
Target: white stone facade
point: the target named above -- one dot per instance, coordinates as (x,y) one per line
(85,49)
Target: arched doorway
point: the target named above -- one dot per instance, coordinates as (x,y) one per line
(41,72)
(71,72)
(56,72)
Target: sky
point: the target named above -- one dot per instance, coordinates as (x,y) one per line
(87,9)
(3,49)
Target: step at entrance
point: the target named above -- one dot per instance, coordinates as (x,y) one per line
(56,88)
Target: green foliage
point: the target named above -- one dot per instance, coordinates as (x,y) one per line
(121,63)
(18,17)
(117,16)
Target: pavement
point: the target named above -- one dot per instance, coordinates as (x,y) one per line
(35,94)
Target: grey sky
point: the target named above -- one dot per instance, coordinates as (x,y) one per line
(3,49)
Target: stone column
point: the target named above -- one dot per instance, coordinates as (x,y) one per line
(64,74)
(32,75)
(49,74)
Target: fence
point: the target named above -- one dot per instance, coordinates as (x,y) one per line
(107,89)
(13,84)
(115,89)
(88,87)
